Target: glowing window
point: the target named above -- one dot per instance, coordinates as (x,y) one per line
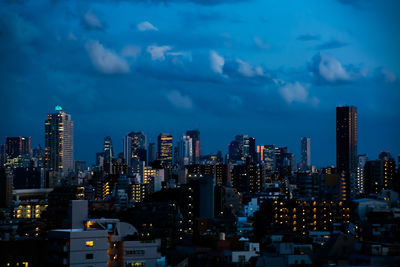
(89,243)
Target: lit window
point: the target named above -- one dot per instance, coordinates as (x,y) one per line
(89,243)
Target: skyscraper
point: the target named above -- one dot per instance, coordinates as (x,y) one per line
(108,154)
(185,152)
(152,155)
(195,135)
(59,148)
(346,149)
(134,147)
(252,149)
(16,146)
(305,153)
(165,148)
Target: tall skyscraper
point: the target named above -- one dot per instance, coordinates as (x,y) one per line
(108,151)
(152,155)
(305,153)
(252,149)
(59,147)
(16,146)
(195,135)
(135,148)
(185,151)
(165,148)
(346,149)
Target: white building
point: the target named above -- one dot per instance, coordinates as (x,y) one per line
(77,247)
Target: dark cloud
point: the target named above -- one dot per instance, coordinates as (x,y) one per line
(332,44)
(309,37)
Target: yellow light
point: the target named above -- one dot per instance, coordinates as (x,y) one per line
(89,243)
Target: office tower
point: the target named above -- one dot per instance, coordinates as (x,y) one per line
(266,154)
(152,155)
(135,148)
(185,151)
(16,146)
(252,149)
(235,151)
(108,148)
(305,153)
(195,135)
(165,148)
(346,149)
(362,159)
(246,147)
(59,148)
(108,152)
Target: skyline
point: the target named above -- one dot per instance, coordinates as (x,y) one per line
(118,148)
(274,71)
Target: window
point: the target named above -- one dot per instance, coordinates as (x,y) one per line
(89,243)
(135,252)
(89,256)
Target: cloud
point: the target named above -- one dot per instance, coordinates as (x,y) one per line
(158,52)
(217,62)
(308,37)
(179,100)
(92,22)
(332,44)
(328,69)
(146,26)
(182,54)
(105,60)
(294,92)
(385,75)
(132,51)
(248,70)
(260,43)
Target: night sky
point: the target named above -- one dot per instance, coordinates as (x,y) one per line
(272,69)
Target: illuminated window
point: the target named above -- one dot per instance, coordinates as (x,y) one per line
(89,243)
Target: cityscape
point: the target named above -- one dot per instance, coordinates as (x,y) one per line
(199,133)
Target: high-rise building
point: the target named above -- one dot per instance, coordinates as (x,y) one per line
(235,151)
(346,149)
(165,148)
(252,148)
(195,135)
(305,153)
(108,151)
(16,146)
(360,182)
(266,154)
(59,147)
(185,152)
(135,148)
(152,155)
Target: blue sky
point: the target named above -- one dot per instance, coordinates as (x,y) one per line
(275,70)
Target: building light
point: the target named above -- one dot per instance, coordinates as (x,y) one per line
(89,243)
